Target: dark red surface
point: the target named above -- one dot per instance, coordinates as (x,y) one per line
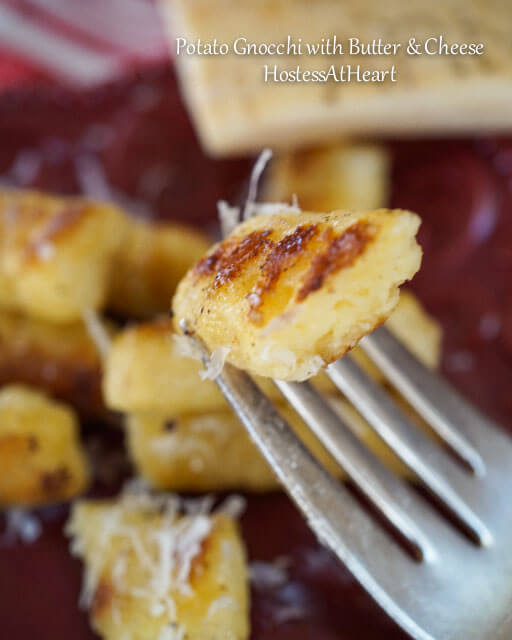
(139,132)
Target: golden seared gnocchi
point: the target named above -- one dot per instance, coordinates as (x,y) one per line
(41,458)
(149,264)
(287,293)
(196,452)
(213,452)
(151,573)
(62,360)
(340,176)
(56,254)
(146,371)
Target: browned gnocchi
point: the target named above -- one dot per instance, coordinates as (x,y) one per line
(41,457)
(153,573)
(152,259)
(287,293)
(56,254)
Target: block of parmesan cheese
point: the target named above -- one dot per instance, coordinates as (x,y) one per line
(154,574)
(240,102)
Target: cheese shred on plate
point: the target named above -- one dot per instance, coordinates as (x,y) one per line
(97,331)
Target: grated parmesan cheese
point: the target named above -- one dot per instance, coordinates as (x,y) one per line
(164,548)
(269,575)
(97,331)
(172,632)
(272,352)
(232,506)
(165,553)
(94,184)
(314,366)
(269,208)
(224,602)
(215,365)
(230,216)
(45,251)
(187,347)
(257,171)
(22,525)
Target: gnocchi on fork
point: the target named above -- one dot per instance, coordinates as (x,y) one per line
(436,576)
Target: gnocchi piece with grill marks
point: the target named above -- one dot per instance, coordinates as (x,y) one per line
(288,293)
(56,254)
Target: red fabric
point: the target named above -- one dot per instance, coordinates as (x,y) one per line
(16,71)
(76,42)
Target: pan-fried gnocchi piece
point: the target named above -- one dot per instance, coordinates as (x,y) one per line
(341,176)
(287,293)
(62,360)
(41,458)
(55,254)
(213,452)
(149,264)
(145,370)
(153,574)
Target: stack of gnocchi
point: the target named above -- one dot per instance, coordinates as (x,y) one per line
(85,333)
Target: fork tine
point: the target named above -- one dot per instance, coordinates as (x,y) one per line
(331,511)
(429,463)
(384,491)
(433,398)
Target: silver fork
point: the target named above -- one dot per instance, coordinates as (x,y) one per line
(452,577)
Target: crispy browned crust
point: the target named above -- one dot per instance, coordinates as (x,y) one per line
(35,220)
(316,286)
(341,251)
(57,228)
(283,255)
(333,252)
(229,258)
(54,483)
